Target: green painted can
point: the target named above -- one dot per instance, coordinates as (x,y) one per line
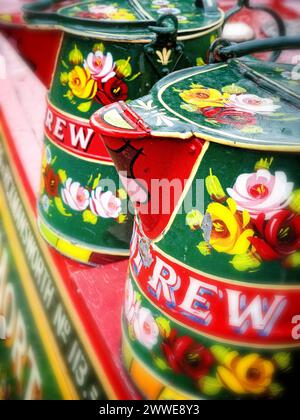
(110,51)
(213,295)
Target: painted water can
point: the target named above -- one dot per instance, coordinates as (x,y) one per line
(211,161)
(110,51)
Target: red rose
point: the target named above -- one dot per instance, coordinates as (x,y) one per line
(279,236)
(51,182)
(113,90)
(229,116)
(186,356)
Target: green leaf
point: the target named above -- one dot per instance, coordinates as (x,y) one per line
(134,77)
(233,89)
(60,207)
(282,359)
(210,386)
(62,175)
(96,182)
(64,64)
(164,326)
(160,363)
(89,217)
(85,106)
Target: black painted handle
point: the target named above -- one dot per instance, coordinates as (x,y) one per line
(281,43)
(278,20)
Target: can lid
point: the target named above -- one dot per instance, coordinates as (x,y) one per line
(129,19)
(242,103)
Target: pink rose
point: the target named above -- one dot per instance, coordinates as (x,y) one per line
(252,103)
(101,9)
(262,192)
(75,196)
(100,66)
(105,204)
(145,328)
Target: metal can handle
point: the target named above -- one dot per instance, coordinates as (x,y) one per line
(278,20)
(163,27)
(222,50)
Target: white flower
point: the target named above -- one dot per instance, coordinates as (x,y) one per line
(100,66)
(145,328)
(45,203)
(152,113)
(147,106)
(130,301)
(252,103)
(48,155)
(161,2)
(262,192)
(105,204)
(182,18)
(169,11)
(163,119)
(75,196)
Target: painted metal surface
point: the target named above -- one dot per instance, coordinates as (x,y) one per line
(118,57)
(212,299)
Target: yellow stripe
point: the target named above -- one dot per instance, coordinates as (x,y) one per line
(71,250)
(83,336)
(65,384)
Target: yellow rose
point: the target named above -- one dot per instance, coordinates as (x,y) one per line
(81,83)
(203,97)
(229,229)
(250,374)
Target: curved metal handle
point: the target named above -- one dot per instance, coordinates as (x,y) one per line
(162,26)
(222,50)
(210,7)
(279,22)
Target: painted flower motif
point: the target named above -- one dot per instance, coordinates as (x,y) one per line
(100,66)
(81,84)
(169,11)
(145,328)
(51,181)
(186,356)
(113,90)
(262,192)
(123,14)
(203,97)
(291,75)
(48,155)
(279,236)
(130,302)
(230,116)
(250,374)
(252,103)
(75,196)
(105,204)
(230,230)
(160,3)
(106,11)
(45,203)
(153,113)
